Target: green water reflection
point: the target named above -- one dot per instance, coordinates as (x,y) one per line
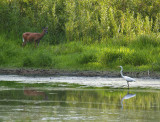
(70,102)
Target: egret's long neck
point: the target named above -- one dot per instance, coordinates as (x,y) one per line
(121,72)
(122,104)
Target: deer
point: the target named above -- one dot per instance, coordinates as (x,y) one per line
(34,93)
(33,37)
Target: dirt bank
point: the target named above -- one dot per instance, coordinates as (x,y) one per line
(53,72)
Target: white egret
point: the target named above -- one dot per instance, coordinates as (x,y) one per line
(128,79)
(127,96)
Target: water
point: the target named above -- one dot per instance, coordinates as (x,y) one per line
(78,99)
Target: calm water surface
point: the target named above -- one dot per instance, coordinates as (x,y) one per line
(78,99)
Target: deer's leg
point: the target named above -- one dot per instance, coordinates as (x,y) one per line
(38,42)
(35,43)
(24,43)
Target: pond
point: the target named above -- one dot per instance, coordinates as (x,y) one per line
(78,99)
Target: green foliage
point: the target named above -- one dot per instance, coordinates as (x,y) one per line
(86,20)
(144,41)
(38,58)
(43,60)
(69,48)
(124,56)
(137,58)
(110,56)
(28,62)
(2,59)
(88,33)
(140,53)
(86,58)
(156,65)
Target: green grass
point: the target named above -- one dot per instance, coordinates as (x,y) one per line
(139,54)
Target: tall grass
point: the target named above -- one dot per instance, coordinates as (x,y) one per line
(85,20)
(13,55)
(142,53)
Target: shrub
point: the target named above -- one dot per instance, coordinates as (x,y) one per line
(69,48)
(124,56)
(146,41)
(136,58)
(86,58)
(43,60)
(28,62)
(37,60)
(156,63)
(111,56)
(2,59)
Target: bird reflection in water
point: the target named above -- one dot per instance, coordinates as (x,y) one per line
(127,96)
(34,93)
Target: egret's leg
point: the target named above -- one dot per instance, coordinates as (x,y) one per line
(128,84)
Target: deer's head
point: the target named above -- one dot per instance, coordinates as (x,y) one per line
(45,30)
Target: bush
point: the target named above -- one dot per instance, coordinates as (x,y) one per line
(124,56)
(37,60)
(43,60)
(69,48)
(28,62)
(136,58)
(86,58)
(2,59)
(111,56)
(144,41)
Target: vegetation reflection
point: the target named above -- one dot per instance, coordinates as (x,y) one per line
(127,96)
(77,96)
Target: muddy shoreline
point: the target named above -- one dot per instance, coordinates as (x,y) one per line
(54,72)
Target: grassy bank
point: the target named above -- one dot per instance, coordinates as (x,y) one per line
(138,54)
(83,35)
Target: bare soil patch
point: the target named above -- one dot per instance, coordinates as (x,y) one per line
(54,72)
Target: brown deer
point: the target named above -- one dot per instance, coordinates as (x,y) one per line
(36,37)
(34,93)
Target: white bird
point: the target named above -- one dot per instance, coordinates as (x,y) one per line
(128,96)
(128,79)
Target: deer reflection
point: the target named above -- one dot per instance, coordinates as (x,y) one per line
(34,93)
(127,96)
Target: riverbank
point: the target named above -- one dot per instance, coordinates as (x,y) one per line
(55,72)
